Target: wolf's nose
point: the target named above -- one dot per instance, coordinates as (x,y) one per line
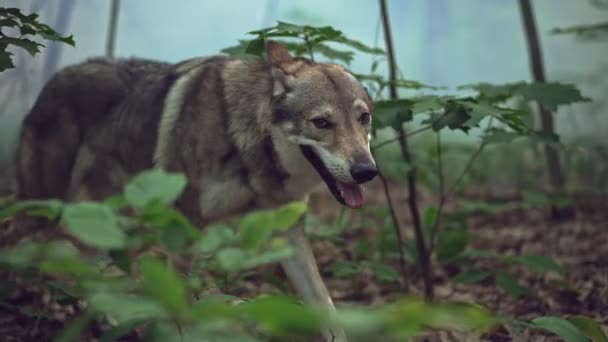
(363,172)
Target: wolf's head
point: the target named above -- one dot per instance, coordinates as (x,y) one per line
(327,112)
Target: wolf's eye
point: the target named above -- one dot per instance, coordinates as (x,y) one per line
(321,123)
(365,118)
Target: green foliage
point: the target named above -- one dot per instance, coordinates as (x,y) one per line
(309,40)
(150,294)
(560,327)
(27,26)
(585,32)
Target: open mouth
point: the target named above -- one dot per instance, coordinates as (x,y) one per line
(348,194)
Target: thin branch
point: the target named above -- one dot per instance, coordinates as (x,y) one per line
(442,198)
(395,139)
(398,233)
(309,47)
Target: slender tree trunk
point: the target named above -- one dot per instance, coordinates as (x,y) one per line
(424,260)
(112,27)
(554,166)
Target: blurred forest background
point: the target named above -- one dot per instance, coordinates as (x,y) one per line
(486,202)
(439,42)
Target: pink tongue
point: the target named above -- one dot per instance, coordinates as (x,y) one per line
(352,194)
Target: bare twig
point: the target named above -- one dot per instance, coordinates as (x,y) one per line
(395,139)
(398,233)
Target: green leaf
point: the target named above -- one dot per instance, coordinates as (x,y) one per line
(590,327)
(28,45)
(281,314)
(535,198)
(430,218)
(541,264)
(256,228)
(163,284)
(94,224)
(510,285)
(391,113)
(560,327)
(270,256)
(124,308)
(154,185)
(427,104)
(551,95)
(214,237)
(384,272)
(231,259)
(451,243)
(343,269)
(469,277)
(287,216)
(72,266)
(5,59)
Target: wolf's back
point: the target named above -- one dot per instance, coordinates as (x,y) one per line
(73,104)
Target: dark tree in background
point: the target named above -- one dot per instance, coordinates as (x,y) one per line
(554,167)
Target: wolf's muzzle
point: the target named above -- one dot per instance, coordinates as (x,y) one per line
(363,172)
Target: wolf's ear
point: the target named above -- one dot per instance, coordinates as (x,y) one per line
(277,53)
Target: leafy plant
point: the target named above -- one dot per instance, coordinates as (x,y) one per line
(26,27)
(136,281)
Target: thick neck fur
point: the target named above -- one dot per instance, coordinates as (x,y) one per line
(249,88)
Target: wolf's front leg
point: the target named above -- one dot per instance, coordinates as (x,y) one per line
(301,269)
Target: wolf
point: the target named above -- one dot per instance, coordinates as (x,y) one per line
(246,133)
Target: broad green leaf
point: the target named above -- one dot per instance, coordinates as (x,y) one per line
(287,216)
(590,327)
(75,328)
(427,104)
(256,228)
(163,284)
(343,269)
(214,237)
(391,113)
(541,264)
(94,224)
(535,198)
(124,308)
(154,185)
(469,277)
(384,272)
(510,285)
(560,327)
(551,95)
(270,256)
(451,243)
(231,259)
(28,45)
(75,267)
(430,218)
(281,315)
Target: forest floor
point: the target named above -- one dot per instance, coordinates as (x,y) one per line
(580,245)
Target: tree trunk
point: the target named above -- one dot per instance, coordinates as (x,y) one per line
(112,27)
(411,176)
(554,167)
